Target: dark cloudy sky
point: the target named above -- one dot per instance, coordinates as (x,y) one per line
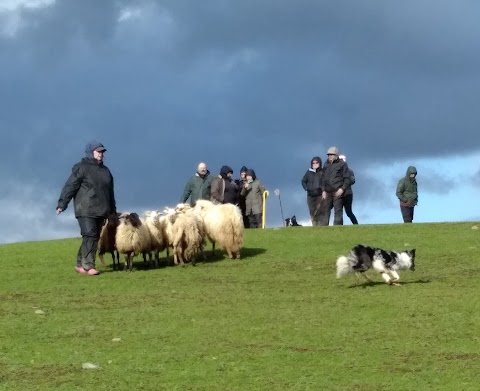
(263,83)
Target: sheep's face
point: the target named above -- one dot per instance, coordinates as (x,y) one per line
(180,208)
(130,219)
(203,205)
(113,220)
(123,218)
(134,219)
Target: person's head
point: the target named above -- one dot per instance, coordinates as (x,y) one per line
(316,163)
(342,157)
(411,172)
(226,172)
(250,174)
(332,154)
(95,150)
(243,172)
(202,169)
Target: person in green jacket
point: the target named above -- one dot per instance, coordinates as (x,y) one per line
(253,192)
(198,186)
(407,193)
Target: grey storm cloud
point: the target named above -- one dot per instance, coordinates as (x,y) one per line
(265,83)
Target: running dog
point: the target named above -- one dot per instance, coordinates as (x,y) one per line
(362,258)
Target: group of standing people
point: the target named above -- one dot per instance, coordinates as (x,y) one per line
(246,192)
(329,187)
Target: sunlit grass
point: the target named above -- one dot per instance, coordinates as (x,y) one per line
(275,320)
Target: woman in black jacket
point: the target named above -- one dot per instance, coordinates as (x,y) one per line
(312,184)
(91,186)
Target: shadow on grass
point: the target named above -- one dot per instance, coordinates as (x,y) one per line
(210,257)
(251,252)
(367,284)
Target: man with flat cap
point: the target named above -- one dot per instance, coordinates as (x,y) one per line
(335,182)
(91,186)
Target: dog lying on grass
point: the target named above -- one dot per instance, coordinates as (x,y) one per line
(362,258)
(292,222)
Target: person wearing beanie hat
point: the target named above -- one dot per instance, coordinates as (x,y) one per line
(335,181)
(407,193)
(198,186)
(91,186)
(253,192)
(224,189)
(348,196)
(241,199)
(312,184)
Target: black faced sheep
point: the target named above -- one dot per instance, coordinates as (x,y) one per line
(132,238)
(106,243)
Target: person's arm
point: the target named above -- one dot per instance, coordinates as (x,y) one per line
(401,190)
(70,188)
(304,181)
(346,177)
(215,191)
(352,177)
(186,192)
(113,203)
(245,189)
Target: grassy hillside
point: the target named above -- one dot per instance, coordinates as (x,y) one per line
(276,320)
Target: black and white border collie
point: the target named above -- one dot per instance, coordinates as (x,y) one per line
(362,258)
(292,222)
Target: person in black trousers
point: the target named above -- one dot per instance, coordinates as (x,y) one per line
(348,196)
(91,186)
(312,184)
(335,181)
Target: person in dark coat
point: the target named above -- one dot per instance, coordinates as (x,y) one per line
(224,190)
(241,198)
(312,184)
(253,192)
(348,196)
(407,193)
(198,186)
(91,186)
(335,181)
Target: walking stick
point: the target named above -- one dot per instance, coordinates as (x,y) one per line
(277,193)
(264,196)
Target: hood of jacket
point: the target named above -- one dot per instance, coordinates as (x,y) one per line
(225,170)
(251,172)
(411,170)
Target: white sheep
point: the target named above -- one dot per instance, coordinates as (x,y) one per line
(157,225)
(223,225)
(132,238)
(185,236)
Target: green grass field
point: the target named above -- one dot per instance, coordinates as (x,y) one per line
(277,319)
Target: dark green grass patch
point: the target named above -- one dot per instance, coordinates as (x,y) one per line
(277,319)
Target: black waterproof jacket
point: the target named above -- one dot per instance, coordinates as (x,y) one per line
(336,175)
(91,187)
(312,182)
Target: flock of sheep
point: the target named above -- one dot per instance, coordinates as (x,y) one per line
(185,229)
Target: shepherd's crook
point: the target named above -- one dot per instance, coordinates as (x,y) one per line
(277,193)
(264,196)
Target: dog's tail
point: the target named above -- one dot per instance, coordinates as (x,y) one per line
(343,266)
